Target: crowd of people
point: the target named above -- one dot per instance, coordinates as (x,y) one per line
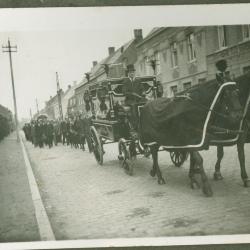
(73,131)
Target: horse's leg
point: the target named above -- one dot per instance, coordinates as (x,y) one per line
(153,170)
(132,151)
(198,163)
(156,168)
(220,154)
(241,155)
(192,171)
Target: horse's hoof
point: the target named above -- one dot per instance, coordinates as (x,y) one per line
(195,185)
(246,182)
(207,189)
(152,173)
(217,176)
(129,167)
(161,181)
(120,157)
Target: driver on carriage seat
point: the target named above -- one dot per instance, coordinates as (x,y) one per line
(134,93)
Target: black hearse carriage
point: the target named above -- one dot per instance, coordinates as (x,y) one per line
(111,127)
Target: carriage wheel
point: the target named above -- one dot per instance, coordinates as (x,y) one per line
(96,145)
(178,157)
(125,157)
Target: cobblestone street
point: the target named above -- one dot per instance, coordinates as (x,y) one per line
(87,201)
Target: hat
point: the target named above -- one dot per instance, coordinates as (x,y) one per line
(130,67)
(221,65)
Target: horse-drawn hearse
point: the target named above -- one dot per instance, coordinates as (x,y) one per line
(111,124)
(210,114)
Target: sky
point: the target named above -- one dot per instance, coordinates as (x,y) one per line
(68,40)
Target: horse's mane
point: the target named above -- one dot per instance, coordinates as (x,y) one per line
(243,83)
(199,87)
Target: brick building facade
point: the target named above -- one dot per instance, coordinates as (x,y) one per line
(180,54)
(231,43)
(186,56)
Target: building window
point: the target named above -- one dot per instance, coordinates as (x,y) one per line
(186,85)
(246,69)
(173,90)
(246,32)
(157,62)
(191,47)
(222,36)
(174,55)
(201,80)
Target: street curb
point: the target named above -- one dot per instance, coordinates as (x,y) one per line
(44,226)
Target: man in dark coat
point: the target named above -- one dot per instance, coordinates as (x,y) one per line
(132,88)
(50,133)
(39,133)
(134,93)
(57,132)
(34,133)
(63,128)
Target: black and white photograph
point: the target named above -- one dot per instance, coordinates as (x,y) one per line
(124,126)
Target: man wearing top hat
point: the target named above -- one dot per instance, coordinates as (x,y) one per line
(134,93)
(132,88)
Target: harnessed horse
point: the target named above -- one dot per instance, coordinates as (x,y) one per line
(226,106)
(240,139)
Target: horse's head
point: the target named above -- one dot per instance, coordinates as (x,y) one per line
(230,105)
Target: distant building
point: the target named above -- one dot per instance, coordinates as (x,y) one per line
(52,107)
(180,56)
(72,107)
(186,56)
(69,93)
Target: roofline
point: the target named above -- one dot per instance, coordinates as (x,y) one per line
(149,37)
(130,42)
(80,85)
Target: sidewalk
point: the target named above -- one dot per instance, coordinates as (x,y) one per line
(17,215)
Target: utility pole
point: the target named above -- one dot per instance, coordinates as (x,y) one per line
(30,114)
(10,49)
(37,107)
(59,96)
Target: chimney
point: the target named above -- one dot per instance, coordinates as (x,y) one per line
(111,50)
(94,63)
(138,34)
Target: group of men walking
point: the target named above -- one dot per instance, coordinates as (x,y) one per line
(74,132)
